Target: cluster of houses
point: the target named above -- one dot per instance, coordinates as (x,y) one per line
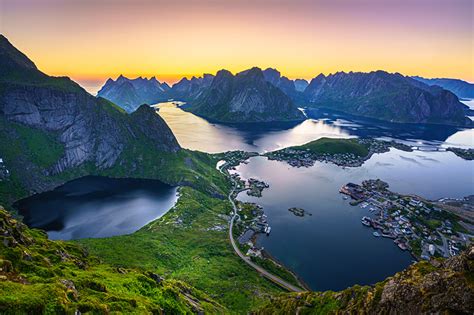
(413,223)
(306,158)
(254,222)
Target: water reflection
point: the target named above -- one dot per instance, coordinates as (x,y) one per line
(97,207)
(331,249)
(197,133)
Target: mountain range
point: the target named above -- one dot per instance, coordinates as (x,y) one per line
(131,93)
(461,88)
(246,98)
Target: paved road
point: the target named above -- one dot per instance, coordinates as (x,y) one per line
(266,274)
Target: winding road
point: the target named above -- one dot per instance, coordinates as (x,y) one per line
(277,280)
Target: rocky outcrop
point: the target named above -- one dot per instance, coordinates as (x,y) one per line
(131,93)
(245,97)
(461,88)
(436,287)
(386,96)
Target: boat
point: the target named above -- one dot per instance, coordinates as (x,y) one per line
(402,246)
(376,234)
(267,230)
(366,221)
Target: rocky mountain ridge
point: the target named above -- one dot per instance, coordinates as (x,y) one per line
(245,97)
(386,96)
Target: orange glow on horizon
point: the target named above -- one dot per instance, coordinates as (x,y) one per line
(93,40)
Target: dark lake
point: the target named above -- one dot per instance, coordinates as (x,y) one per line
(91,207)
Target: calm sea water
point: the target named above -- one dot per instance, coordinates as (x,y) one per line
(97,207)
(331,249)
(197,133)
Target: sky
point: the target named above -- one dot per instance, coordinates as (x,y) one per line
(91,40)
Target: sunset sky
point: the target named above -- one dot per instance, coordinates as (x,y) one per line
(91,40)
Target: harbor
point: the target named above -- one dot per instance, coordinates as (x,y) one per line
(420,226)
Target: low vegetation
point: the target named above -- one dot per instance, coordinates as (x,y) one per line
(42,276)
(190,243)
(335,146)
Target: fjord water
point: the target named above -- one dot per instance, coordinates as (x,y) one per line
(92,206)
(332,249)
(196,133)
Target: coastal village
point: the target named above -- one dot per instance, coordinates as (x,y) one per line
(305,157)
(425,228)
(420,226)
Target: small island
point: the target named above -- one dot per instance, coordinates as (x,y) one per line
(255,187)
(299,212)
(342,152)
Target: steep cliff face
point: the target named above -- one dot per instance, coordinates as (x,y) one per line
(386,96)
(436,287)
(131,93)
(246,97)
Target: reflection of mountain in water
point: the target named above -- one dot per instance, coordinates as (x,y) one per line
(196,133)
(366,127)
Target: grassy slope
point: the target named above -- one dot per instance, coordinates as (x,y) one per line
(188,251)
(334,146)
(42,276)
